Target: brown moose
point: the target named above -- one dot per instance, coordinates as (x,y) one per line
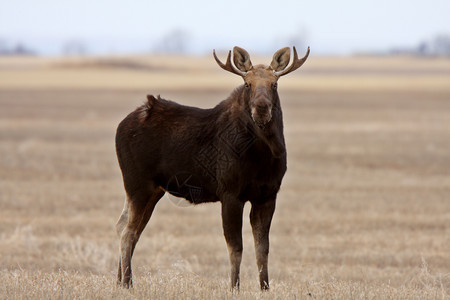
(232,153)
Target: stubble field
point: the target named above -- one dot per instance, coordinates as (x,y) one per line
(363,213)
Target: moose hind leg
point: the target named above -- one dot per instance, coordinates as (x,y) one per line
(232,229)
(120,226)
(260,219)
(139,211)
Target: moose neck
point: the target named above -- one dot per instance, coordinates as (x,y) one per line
(271,133)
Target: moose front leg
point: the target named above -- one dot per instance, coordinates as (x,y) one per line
(232,228)
(260,219)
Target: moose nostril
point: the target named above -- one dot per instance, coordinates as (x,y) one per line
(261,107)
(261,110)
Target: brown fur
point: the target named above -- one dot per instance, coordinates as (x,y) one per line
(232,153)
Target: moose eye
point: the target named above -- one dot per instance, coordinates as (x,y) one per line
(275,85)
(246,85)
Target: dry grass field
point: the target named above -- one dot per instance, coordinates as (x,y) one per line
(364,210)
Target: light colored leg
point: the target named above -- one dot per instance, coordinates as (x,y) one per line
(137,213)
(120,226)
(260,219)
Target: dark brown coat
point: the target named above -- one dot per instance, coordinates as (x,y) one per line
(233,153)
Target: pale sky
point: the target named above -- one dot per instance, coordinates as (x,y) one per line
(331,26)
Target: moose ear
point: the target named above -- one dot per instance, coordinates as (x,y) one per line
(281,59)
(241,59)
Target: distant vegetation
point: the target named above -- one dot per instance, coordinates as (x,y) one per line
(178,41)
(437,46)
(16,49)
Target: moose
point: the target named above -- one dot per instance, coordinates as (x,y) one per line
(232,153)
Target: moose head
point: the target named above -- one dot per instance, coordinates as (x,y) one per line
(260,81)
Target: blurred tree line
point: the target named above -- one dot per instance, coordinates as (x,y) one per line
(436,46)
(16,49)
(178,41)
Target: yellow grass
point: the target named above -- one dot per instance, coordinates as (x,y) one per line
(166,72)
(364,210)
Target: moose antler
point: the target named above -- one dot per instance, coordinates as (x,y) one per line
(228,66)
(296,63)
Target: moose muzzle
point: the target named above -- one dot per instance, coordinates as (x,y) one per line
(261,111)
